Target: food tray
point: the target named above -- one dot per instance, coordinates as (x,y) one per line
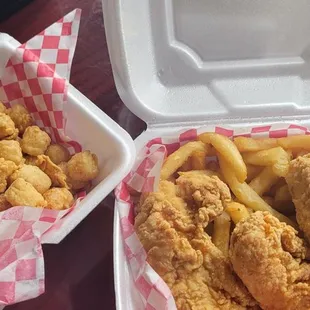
(182,64)
(115,160)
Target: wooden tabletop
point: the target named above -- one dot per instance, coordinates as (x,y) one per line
(79,270)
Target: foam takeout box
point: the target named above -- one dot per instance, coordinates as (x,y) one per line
(95,131)
(181,64)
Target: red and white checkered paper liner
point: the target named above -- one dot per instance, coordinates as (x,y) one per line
(36,76)
(144,177)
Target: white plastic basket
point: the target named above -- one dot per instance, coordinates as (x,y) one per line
(95,131)
(183,64)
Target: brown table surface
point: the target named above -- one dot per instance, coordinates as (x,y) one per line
(79,270)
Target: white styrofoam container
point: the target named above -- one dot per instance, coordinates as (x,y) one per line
(95,131)
(186,63)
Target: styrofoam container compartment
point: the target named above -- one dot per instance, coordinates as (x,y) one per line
(95,131)
(182,64)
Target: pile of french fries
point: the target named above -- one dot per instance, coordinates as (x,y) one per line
(254,170)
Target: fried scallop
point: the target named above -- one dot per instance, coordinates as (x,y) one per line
(83,166)
(33,175)
(2,108)
(4,204)
(57,153)
(22,193)
(7,126)
(35,141)
(73,185)
(55,173)
(11,150)
(21,117)
(7,167)
(58,198)
(31,160)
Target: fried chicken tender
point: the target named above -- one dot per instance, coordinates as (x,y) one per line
(268,257)
(83,166)
(73,185)
(57,153)
(7,167)
(35,141)
(22,193)
(53,171)
(33,175)
(179,250)
(7,127)
(11,150)
(209,194)
(21,117)
(58,198)
(298,180)
(4,204)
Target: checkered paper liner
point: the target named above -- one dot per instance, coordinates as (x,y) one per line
(36,76)
(144,177)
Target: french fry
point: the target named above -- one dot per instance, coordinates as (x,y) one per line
(209,173)
(221,232)
(198,160)
(263,182)
(253,145)
(292,142)
(252,172)
(175,160)
(246,194)
(276,157)
(237,211)
(229,151)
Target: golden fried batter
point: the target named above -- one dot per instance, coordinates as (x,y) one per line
(35,141)
(4,204)
(83,166)
(21,117)
(298,180)
(209,194)
(7,126)
(22,193)
(58,198)
(53,171)
(268,256)
(34,175)
(2,108)
(73,185)
(10,150)
(57,153)
(181,252)
(31,160)
(7,167)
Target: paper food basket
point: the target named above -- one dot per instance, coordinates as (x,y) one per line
(235,67)
(29,74)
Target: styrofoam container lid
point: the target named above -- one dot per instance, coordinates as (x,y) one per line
(185,63)
(211,60)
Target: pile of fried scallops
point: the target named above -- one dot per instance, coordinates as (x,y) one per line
(33,171)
